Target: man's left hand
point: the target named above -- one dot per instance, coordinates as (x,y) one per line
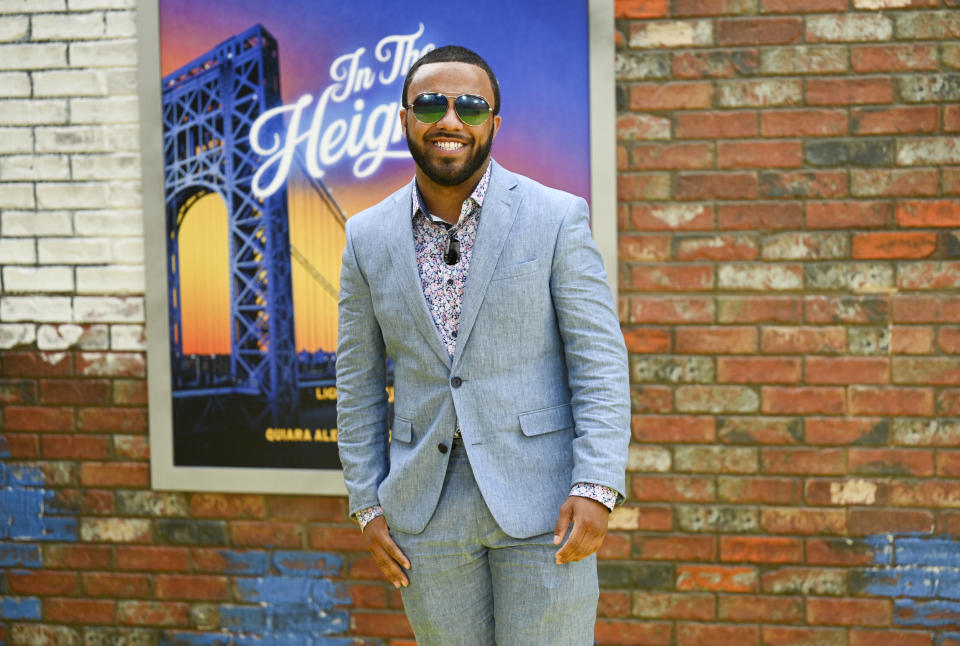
(589,519)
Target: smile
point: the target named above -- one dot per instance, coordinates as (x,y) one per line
(448,145)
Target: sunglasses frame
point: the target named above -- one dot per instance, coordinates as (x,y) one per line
(456,97)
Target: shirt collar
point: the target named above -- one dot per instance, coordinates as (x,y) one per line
(477,196)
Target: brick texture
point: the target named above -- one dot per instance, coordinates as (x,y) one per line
(789,263)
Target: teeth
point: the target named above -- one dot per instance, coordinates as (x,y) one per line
(448,145)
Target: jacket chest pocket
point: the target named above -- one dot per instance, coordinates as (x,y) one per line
(512,271)
(402,430)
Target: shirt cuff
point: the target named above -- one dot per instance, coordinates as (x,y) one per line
(602,494)
(364,516)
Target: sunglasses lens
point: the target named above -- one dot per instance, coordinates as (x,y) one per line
(472,110)
(429,108)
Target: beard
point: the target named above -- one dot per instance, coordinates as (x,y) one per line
(446,171)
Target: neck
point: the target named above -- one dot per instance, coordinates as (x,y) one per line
(445,201)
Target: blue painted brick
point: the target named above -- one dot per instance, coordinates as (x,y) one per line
(882,548)
(24,475)
(310,564)
(20,608)
(194,639)
(273,640)
(306,618)
(909,612)
(948,585)
(239,562)
(25,555)
(20,513)
(947,638)
(902,582)
(278,589)
(58,529)
(251,619)
(342,641)
(930,551)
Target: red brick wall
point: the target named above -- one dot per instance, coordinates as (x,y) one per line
(789,209)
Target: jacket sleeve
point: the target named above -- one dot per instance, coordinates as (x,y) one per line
(361,385)
(595,354)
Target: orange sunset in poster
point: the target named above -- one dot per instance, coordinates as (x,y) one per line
(205,277)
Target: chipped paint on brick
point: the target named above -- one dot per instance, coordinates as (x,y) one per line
(921,573)
(853,492)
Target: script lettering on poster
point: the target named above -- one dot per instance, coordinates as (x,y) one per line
(365,138)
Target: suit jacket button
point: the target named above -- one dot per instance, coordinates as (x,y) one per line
(457,382)
(442,447)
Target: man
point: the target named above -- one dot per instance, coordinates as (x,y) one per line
(511,420)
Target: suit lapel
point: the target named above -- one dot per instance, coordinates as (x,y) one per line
(496,221)
(399,234)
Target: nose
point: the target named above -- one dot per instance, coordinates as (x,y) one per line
(450,120)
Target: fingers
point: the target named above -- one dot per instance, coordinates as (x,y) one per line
(387,555)
(563,521)
(589,529)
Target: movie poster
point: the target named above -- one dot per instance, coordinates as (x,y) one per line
(279,121)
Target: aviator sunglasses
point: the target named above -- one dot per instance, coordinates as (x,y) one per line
(430,107)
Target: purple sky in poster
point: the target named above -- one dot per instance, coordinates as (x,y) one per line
(541,65)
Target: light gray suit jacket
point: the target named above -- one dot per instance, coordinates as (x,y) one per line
(539,381)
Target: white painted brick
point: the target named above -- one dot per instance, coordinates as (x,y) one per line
(31,6)
(14,84)
(73,251)
(16,196)
(69,83)
(849,28)
(128,251)
(32,112)
(72,139)
(36,223)
(35,167)
(13,28)
(75,195)
(86,5)
(32,56)
(123,166)
(685,33)
(121,24)
(17,252)
(122,109)
(70,335)
(40,309)
(121,82)
(58,337)
(16,140)
(108,53)
(73,26)
(928,151)
(127,338)
(124,138)
(870,5)
(109,223)
(37,279)
(97,309)
(14,334)
(123,279)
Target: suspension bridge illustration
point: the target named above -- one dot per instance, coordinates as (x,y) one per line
(263,369)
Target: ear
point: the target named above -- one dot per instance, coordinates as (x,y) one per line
(402,115)
(496,125)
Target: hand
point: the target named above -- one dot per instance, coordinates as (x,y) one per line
(589,519)
(385,552)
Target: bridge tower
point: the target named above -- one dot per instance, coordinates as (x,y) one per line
(209,106)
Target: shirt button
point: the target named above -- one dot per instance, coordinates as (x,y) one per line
(457,382)
(449,281)
(454,334)
(442,447)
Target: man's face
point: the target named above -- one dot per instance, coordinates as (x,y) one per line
(449,152)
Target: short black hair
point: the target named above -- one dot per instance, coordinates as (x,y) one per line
(453,54)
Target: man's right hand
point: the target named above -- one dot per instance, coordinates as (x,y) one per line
(385,552)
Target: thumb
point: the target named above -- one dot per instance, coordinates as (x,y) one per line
(563,522)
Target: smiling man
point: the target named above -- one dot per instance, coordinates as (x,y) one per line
(487,503)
